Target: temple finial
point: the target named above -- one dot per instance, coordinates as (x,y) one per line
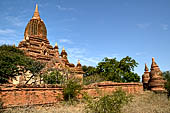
(153,59)
(78,62)
(153,65)
(63,49)
(56,44)
(146,68)
(36,13)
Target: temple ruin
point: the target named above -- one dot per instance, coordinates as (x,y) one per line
(36,45)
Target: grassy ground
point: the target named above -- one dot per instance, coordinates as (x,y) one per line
(147,102)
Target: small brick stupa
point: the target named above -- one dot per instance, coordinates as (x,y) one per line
(145,78)
(155,80)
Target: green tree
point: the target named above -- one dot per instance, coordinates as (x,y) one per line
(53,77)
(118,71)
(89,70)
(13,61)
(166,76)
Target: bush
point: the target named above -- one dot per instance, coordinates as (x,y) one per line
(108,103)
(53,77)
(92,79)
(1,105)
(166,76)
(71,89)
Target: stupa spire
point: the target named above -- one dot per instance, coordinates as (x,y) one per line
(63,49)
(153,65)
(78,62)
(146,68)
(56,44)
(36,13)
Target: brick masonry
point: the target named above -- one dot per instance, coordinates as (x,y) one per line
(12,96)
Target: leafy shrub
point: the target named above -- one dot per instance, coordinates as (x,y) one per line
(108,103)
(1,105)
(166,76)
(92,79)
(53,77)
(71,89)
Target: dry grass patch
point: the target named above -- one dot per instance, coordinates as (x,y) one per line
(55,108)
(148,102)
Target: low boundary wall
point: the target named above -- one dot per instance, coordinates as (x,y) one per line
(12,96)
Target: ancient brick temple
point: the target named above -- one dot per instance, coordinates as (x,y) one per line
(36,45)
(153,80)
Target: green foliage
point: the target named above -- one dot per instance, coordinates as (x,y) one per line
(53,77)
(91,75)
(1,105)
(112,70)
(118,71)
(89,70)
(108,103)
(13,61)
(92,79)
(71,89)
(167,78)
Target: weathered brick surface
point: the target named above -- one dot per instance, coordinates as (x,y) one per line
(28,96)
(12,96)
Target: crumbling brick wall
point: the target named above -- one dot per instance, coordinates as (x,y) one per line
(12,96)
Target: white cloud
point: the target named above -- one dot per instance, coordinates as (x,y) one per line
(15,21)
(140,53)
(59,7)
(6,31)
(65,41)
(164,26)
(10,42)
(113,55)
(76,51)
(143,26)
(81,54)
(92,59)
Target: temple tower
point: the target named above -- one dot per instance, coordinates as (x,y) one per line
(35,43)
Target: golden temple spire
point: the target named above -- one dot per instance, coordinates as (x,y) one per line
(63,49)
(56,44)
(78,64)
(36,13)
